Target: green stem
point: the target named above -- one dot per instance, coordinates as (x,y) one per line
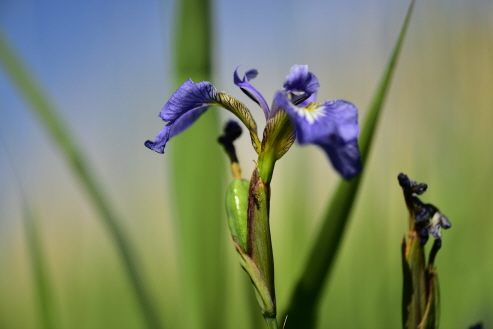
(259,244)
(266,163)
(271,322)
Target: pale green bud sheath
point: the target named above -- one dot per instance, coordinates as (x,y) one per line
(278,137)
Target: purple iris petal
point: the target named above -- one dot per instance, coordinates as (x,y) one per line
(312,98)
(185,106)
(344,158)
(173,129)
(333,126)
(160,142)
(300,80)
(249,90)
(188,97)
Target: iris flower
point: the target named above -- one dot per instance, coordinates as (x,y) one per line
(332,125)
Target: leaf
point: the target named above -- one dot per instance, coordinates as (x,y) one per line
(431,315)
(267,304)
(306,295)
(415,306)
(197,175)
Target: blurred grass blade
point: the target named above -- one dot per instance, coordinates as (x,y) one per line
(197,174)
(39,268)
(61,136)
(306,296)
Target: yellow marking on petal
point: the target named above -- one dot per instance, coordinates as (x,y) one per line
(312,112)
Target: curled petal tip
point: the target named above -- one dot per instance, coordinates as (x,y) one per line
(153,146)
(250,90)
(160,141)
(300,80)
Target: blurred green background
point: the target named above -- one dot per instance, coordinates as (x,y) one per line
(108,67)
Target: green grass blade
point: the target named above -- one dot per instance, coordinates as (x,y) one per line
(41,277)
(74,156)
(39,268)
(306,296)
(198,171)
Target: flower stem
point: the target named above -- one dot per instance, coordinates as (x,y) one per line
(259,244)
(271,322)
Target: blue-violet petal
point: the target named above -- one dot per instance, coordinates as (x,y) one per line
(188,97)
(184,107)
(250,90)
(333,126)
(300,80)
(174,128)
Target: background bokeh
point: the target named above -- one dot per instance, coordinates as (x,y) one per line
(107,66)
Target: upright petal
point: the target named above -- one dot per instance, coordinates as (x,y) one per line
(333,126)
(249,90)
(300,83)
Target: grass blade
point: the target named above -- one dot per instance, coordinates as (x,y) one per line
(39,268)
(41,276)
(73,155)
(197,171)
(305,298)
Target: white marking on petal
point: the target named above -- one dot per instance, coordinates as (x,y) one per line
(311,113)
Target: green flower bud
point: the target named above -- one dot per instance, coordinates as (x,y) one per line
(236,210)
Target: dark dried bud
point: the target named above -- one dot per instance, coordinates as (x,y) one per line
(232,130)
(426,218)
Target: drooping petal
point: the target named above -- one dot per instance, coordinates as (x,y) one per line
(183,108)
(160,141)
(186,120)
(250,90)
(174,128)
(333,126)
(345,158)
(188,97)
(191,96)
(300,83)
(190,101)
